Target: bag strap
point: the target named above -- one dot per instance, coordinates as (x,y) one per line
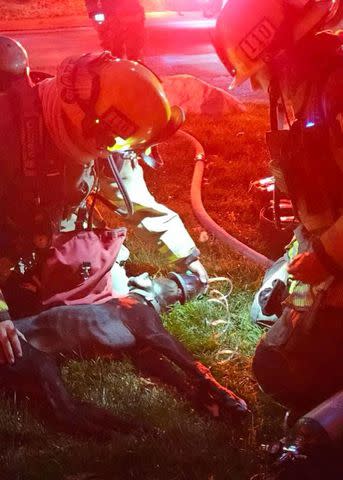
(24,102)
(275,104)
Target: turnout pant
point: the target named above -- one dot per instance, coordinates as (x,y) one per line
(301,367)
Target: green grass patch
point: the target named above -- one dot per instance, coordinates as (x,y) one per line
(187,445)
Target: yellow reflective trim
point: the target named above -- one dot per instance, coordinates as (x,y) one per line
(293,249)
(3,306)
(292,286)
(301,295)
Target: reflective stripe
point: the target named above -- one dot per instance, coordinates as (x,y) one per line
(292,249)
(3,306)
(300,294)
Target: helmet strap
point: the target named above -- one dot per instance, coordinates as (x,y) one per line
(274,97)
(90,126)
(101,128)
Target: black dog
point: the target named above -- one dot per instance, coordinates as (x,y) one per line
(106,330)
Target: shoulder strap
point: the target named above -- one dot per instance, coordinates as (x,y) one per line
(24,104)
(43,180)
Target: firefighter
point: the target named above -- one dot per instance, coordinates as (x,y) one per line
(30,373)
(120,26)
(282,47)
(97,104)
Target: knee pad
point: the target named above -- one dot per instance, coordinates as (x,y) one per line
(272,373)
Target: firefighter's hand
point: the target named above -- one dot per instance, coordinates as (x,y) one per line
(198,269)
(10,347)
(307,268)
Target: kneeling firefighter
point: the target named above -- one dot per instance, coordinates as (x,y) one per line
(30,373)
(68,142)
(281,48)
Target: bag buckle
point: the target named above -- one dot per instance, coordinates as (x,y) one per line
(85,270)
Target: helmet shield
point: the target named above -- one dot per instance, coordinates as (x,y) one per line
(175,121)
(115,104)
(177,118)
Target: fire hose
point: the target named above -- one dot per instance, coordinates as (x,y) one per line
(204,218)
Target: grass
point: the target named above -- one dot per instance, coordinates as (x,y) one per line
(188,446)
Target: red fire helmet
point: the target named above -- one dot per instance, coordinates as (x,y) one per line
(249,33)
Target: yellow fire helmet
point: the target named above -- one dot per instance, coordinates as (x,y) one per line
(250,33)
(111,104)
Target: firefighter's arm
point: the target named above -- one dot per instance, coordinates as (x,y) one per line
(326,259)
(329,248)
(156,223)
(309,267)
(9,343)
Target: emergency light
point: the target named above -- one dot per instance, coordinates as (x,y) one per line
(99,17)
(264,185)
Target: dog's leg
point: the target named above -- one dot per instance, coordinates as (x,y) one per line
(37,377)
(209,387)
(146,326)
(154,364)
(151,363)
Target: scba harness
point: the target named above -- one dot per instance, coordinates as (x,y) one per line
(303,158)
(41,176)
